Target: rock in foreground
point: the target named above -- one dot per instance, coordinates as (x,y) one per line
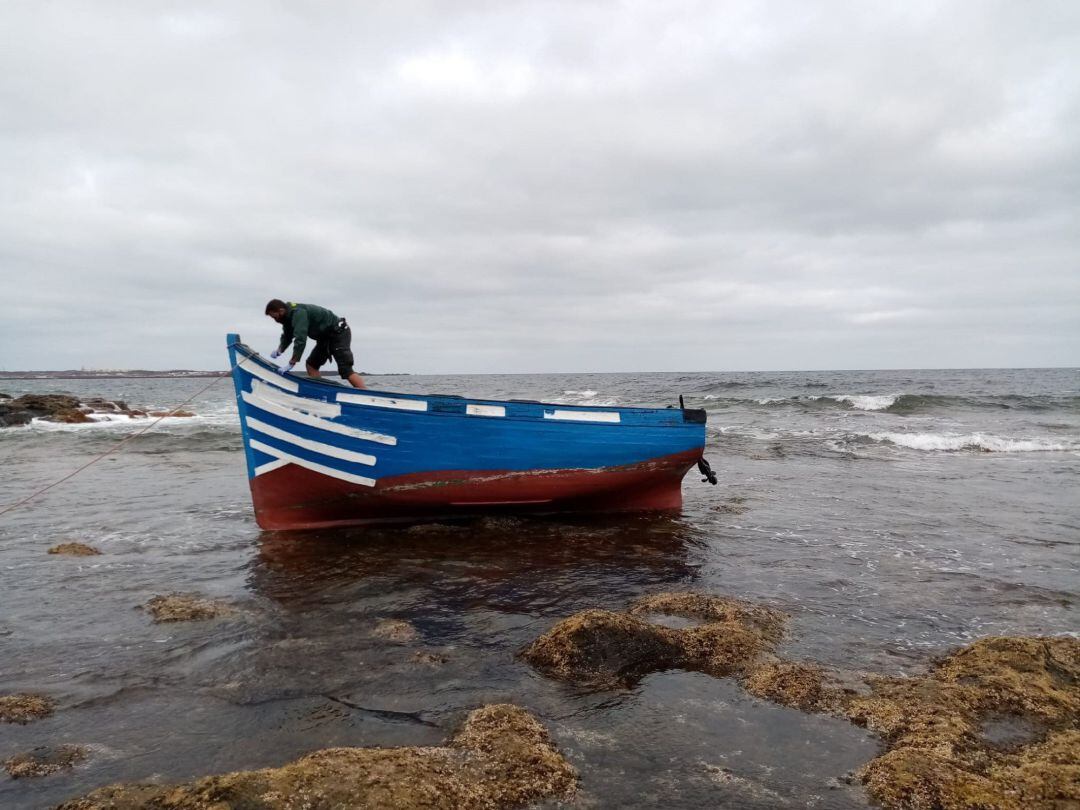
(602,648)
(994,725)
(501,758)
(24,708)
(940,754)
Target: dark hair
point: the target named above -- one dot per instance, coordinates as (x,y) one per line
(274,305)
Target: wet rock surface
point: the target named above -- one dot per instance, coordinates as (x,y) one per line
(55,407)
(74,550)
(501,757)
(186,607)
(23,708)
(44,761)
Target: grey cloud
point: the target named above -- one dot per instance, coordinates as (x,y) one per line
(544,186)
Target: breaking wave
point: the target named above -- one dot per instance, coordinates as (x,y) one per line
(584,397)
(904,403)
(983,442)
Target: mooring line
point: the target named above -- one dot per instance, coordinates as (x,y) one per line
(110,451)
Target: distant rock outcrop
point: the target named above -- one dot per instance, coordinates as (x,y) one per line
(69,409)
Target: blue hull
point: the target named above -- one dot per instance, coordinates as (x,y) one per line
(321,454)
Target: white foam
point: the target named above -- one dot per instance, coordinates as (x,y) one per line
(867,402)
(585,397)
(972,441)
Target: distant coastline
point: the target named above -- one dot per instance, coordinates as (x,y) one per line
(111,374)
(114,374)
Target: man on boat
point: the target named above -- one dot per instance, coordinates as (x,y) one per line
(333,338)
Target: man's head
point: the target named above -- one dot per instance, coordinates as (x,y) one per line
(277,309)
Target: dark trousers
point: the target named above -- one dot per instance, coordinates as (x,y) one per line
(337,344)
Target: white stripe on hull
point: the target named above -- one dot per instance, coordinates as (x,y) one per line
(383,402)
(485,410)
(308,444)
(270,466)
(280,380)
(314,421)
(312,406)
(583,416)
(311,465)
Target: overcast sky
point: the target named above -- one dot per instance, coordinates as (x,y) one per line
(578,186)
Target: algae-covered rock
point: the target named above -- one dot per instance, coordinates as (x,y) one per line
(993,725)
(939,756)
(501,758)
(602,648)
(185,607)
(798,685)
(74,550)
(23,708)
(44,761)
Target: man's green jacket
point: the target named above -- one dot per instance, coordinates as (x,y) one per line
(303,320)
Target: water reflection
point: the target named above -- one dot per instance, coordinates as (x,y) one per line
(534,566)
(469,596)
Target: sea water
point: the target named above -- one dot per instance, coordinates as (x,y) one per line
(894,514)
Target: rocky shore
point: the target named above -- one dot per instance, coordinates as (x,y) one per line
(502,757)
(68,409)
(994,724)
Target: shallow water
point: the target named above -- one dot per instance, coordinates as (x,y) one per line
(895,515)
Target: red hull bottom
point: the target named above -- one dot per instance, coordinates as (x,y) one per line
(293,497)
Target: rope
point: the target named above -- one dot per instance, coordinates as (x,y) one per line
(110,451)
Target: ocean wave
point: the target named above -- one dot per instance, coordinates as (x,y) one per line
(585,397)
(902,404)
(983,442)
(868,402)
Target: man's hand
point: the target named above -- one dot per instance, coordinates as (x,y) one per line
(274,355)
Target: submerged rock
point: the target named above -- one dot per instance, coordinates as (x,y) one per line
(501,758)
(74,549)
(395,630)
(44,761)
(430,659)
(186,607)
(602,648)
(23,708)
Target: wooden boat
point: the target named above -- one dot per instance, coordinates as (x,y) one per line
(322,454)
